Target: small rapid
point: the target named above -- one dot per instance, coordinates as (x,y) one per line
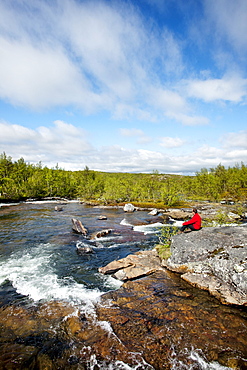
(33,274)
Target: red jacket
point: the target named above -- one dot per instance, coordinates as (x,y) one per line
(196,221)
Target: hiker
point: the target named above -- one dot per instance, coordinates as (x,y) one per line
(194,223)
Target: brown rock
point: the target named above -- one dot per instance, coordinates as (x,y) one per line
(100,234)
(134,265)
(216,287)
(78,227)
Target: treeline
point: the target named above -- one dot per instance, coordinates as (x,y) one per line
(20,180)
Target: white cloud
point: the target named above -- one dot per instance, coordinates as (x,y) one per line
(233,89)
(229,18)
(15,133)
(235,140)
(171,142)
(38,78)
(174,105)
(136,133)
(61,141)
(168,100)
(67,145)
(188,120)
(91,55)
(131,132)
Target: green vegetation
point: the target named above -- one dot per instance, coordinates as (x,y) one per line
(20,180)
(165,236)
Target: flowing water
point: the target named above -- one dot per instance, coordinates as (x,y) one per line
(48,290)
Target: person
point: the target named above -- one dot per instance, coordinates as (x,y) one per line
(194,224)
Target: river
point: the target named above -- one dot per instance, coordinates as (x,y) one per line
(48,291)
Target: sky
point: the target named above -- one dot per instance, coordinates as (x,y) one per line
(124,85)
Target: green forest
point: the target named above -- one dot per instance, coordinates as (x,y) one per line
(20,181)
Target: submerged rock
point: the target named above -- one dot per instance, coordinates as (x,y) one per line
(102,217)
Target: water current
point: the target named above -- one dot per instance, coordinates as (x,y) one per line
(48,290)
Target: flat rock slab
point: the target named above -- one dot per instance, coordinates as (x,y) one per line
(134,265)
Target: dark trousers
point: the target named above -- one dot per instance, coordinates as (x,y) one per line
(191,227)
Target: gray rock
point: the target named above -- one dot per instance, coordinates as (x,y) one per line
(154,212)
(83,248)
(129,207)
(215,259)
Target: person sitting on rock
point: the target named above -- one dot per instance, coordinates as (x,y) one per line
(194,223)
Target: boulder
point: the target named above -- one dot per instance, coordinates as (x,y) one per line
(83,248)
(78,227)
(154,212)
(129,207)
(100,234)
(58,209)
(214,259)
(133,266)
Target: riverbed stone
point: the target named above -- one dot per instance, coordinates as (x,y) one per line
(155,318)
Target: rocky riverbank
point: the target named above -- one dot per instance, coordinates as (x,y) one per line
(212,259)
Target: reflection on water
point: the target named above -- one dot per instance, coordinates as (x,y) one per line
(49,294)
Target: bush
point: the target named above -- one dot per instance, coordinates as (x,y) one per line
(165,236)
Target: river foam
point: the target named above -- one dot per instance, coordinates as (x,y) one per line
(32,274)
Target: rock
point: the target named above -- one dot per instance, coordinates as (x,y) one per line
(216,287)
(154,212)
(58,209)
(84,248)
(212,259)
(215,259)
(162,318)
(129,207)
(133,272)
(114,266)
(102,217)
(233,216)
(134,266)
(100,234)
(78,227)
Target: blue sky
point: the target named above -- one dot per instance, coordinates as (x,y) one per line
(126,86)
